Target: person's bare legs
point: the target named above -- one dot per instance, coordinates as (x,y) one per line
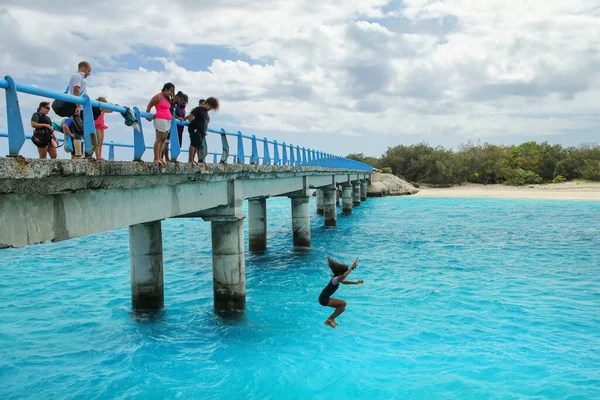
(100,139)
(158,145)
(42,151)
(165,152)
(192,151)
(52,151)
(340,306)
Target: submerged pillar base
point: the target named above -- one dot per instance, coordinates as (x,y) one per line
(320,202)
(146,260)
(257,224)
(301,221)
(330,208)
(229,272)
(356,194)
(347,200)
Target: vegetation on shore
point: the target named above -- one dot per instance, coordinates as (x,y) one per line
(527,163)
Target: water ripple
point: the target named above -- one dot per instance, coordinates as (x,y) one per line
(463,298)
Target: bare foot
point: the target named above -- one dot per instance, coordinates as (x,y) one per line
(335,322)
(331,323)
(193,162)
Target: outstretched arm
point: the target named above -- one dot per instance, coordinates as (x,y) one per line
(349,270)
(353,283)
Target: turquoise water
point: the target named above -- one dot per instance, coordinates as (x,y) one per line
(463,298)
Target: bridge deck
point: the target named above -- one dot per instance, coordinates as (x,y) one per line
(43,200)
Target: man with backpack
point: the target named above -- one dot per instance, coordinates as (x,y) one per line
(77,87)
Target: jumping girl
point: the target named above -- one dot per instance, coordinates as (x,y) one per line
(340,272)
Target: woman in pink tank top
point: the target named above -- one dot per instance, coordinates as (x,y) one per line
(100,128)
(162,119)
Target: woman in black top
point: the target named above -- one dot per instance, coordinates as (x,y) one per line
(43,134)
(340,272)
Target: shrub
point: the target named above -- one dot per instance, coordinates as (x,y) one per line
(386,170)
(520,177)
(559,179)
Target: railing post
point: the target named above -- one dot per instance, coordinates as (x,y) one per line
(215,158)
(174,139)
(16,133)
(225,145)
(292,158)
(304,156)
(254,156)
(298,156)
(240,148)
(308,157)
(111,152)
(89,128)
(285,157)
(138,137)
(266,155)
(275,153)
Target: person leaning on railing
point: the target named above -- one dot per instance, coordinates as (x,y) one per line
(43,134)
(198,129)
(181,101)
(78,87)
(162,119)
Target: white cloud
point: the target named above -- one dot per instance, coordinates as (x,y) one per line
(500,69)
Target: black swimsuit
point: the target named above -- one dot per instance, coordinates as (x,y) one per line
(328,292)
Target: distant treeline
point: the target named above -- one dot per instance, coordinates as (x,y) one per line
(527,163)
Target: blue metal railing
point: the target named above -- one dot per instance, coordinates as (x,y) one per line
(298,156)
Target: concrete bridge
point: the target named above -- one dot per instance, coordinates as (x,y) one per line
(42,200)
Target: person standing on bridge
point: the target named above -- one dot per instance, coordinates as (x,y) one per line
(100,128)
(181,101)
(340,272)
(162,119)
(198,129)
(43,134)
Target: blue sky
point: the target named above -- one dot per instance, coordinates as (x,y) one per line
(358,78)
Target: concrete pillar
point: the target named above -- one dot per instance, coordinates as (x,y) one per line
(319,202)
(146,258)
(347,199)
(257,224)
(229,271)
(301,221)
(337,197)
(356,193)
(363,190)
(329,207)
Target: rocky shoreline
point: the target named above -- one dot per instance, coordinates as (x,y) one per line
(389,185)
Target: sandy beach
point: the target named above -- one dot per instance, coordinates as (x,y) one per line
(555,191)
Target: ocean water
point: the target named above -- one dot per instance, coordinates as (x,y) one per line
(463,299)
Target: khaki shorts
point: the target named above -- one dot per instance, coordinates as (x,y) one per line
(162,125)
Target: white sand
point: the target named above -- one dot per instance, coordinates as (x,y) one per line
(556,191)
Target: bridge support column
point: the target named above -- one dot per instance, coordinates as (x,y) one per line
(347,199)
(363,190)
(319,202)
(146,258)
(329,207)
(257,224)
(229,271)
(337,197)
(356,193)
(301,221)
